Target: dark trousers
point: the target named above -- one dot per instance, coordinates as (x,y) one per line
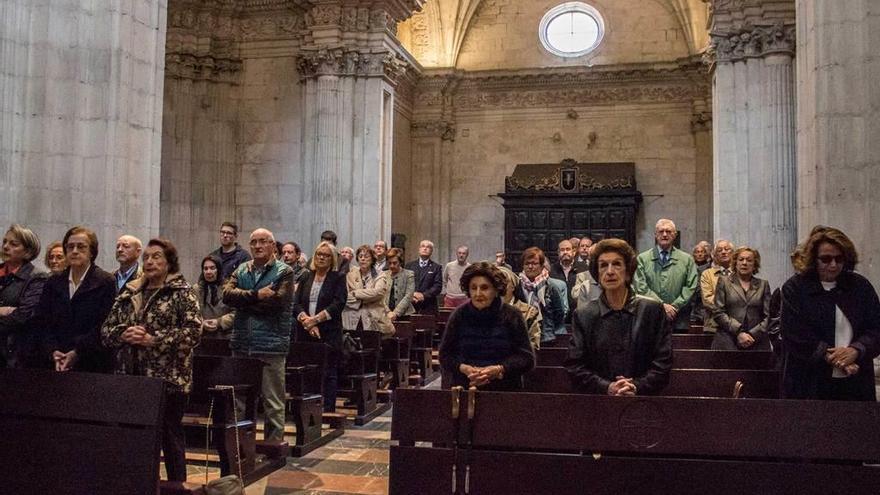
(173,443)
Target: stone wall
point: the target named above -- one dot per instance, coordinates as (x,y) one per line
(471,131)
(504,35)
(839,122)
(81,112)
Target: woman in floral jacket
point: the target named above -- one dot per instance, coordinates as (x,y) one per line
(153,327)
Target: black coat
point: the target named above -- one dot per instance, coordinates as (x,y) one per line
(558,273)
(650,347)
(67,324)
(429,281)
(808,329)
(331,299)
(22,291)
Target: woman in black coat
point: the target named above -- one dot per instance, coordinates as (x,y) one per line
(830,323)
(317,307)
(71,326)
(486,343)
(20,288)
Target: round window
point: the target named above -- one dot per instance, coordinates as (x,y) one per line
(572,29)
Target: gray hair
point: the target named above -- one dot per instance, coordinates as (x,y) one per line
(28,239)
(665,221)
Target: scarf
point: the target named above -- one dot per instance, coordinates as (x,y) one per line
(532,287)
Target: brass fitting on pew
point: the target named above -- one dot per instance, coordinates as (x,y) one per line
(456,401)
(472,401)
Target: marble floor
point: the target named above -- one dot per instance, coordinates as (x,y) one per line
(355,463)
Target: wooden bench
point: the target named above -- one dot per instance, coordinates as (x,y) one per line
(440,322)
(360,381)
(215,380)
(519,443)
(304,383)
(692,341)
(394,360)
(79,433)
(759,384)
(422,347)
(684,358)
(213,346)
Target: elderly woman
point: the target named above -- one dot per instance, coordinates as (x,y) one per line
(20,288)
(73,306)
(318,306)
(830,323)
(402,287)
(216,316)
(367,287)
(55,261)
(547,295)
(742,305)
(531,315)
(486,343)
(620,344)
(154,326)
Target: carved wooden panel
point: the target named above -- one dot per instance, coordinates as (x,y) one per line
(557,220)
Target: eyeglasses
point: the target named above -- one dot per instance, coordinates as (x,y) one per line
(323,255)
(532,263)
(227,232)
(77,247)
(827,258)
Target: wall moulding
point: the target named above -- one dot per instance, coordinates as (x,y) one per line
(565,88)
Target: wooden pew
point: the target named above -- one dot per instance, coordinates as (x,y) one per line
(304,383)
(422,347)
(684,358)
(212,377)
(579,444)
(213,346)
(757,384)
(360,381)
(440,323)
(394,360)
(79,433)
(692,341)
(731,360)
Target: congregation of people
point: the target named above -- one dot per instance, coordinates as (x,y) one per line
(619,307)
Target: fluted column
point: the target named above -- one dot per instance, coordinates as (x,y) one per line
(326,164)
(754,146)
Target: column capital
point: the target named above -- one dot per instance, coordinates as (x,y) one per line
(351,62)
(751,42)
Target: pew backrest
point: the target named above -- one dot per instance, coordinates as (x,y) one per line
(79,433)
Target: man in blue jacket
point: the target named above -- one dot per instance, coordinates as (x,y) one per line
(261,291)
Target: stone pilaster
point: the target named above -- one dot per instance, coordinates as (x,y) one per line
(752,52)
(350,63)
(82,117)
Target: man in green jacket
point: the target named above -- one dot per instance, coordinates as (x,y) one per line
(668,275)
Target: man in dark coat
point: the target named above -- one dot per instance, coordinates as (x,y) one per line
(567,270)
(429,279)
(230,253)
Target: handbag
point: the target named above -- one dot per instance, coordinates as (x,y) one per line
(229,484)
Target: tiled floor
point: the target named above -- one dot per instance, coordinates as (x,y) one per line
(355,463)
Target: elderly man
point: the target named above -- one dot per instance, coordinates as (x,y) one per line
(721,257)
(583,249)
(567,270)
(230,253)
(429,279)
(501,260)
(668,275)
(346,254)
(452,272)
(128,252)
(261,291)
(381,249)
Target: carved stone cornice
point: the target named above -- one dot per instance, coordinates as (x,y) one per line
(347,62)
(362,15)
(433,129)
(754,42)
(202,68)
(564,88)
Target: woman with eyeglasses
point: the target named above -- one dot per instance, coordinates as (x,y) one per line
(830,322)
(367,287)
(74,305)
(742,305)
(317,309)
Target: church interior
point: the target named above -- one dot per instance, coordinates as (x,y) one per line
(493,124)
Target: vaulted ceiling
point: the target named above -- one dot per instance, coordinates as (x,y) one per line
(443,24)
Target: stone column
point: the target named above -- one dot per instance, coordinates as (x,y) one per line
(350,65)
(701,127)
(82,117)
(754,148)
(838,123)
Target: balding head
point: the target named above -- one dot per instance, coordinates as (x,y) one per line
(262,243)
(128,251)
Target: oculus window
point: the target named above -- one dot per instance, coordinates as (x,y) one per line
(571,29)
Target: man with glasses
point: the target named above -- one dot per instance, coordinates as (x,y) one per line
(261,291)
(230,253)
(668,275)
(380,248)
